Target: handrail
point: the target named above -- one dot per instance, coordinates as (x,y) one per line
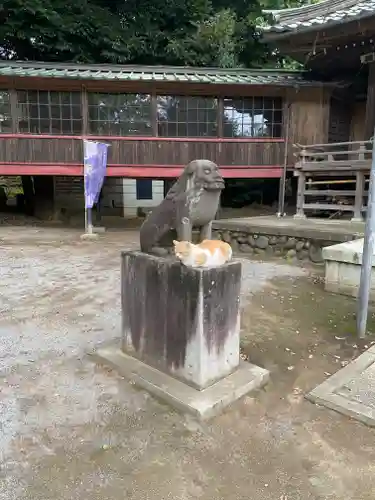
(350,143)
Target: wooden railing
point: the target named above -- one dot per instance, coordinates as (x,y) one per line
(141,156)
(322,167)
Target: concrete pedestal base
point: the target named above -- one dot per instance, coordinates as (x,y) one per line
(183,321)
(203,404)
(343,268)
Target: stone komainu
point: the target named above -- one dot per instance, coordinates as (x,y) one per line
(192,202)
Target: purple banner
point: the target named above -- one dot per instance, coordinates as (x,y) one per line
(95,165)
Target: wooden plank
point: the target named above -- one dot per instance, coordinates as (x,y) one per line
(336,166)
(328,206)
(328,192)
(346,152)
(142,152)
(350,143)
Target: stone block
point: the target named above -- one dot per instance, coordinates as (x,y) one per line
(343,268)
(182,321)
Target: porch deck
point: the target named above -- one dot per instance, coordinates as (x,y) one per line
(333,177)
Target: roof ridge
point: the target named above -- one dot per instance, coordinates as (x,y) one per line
(120,73)
(141,68)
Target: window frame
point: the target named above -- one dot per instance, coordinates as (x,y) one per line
(54,100)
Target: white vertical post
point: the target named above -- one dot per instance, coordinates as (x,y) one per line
(368,250)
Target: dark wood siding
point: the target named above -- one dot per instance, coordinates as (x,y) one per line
(143,152)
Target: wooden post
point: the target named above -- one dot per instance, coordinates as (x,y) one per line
(300,214)
(154,115)
(85,112)
(370,102)
(282,184)
(358,202)
(14,110)
(220,117)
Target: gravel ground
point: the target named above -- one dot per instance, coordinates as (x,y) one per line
(72,430)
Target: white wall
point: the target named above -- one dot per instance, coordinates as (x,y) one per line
(131,204)
(119,195)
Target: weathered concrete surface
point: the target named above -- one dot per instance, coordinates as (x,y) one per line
(72,430)
(181,320)
(294,239)
(351,390)
(202,404)
(343,268)
(315,229)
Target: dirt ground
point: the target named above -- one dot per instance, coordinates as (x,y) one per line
(72,430)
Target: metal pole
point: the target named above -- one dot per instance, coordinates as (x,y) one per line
(282,183)
(368,250)
(89,228)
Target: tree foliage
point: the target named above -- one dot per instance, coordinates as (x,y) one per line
(175,32)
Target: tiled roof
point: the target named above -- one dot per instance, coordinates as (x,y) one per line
(157,74)
(327,13)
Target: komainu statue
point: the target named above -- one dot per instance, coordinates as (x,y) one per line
(192,202)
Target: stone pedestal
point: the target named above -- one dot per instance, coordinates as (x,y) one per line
(181,320)
(180,334)
(343,268)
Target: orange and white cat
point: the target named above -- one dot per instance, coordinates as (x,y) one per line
(209,253)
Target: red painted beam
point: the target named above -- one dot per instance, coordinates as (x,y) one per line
(140,171)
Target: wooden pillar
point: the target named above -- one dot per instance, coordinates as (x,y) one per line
(300,214)
(154,115)
(358,202)
(85,112)
(14,110)
(370,102)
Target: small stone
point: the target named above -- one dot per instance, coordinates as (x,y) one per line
(272,240)
(291,243)
(299,245)
(282,240)
(245,248)
(262,242)
(242,238)
(234,245)
(307,245)
(227,236)
(258,251)
(290,368)
(315,254)
(250,240)
(303,254)
(290,253)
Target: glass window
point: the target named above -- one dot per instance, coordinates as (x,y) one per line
(5,114)
(187,116)
(49,112)
(252,117)
(120,114)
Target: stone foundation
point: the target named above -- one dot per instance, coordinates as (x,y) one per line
(268,245)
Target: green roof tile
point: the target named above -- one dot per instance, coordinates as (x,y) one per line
(238,76)
(326,13)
